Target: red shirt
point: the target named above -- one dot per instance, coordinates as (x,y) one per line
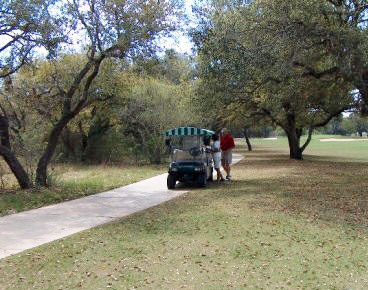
(227,142)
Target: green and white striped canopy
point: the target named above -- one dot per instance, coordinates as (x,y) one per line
(189,131)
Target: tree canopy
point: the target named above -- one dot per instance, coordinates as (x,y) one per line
(110,29)
(26,26)
(269,57)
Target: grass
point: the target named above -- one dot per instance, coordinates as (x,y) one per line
(73,181)
(280,224)
(330,151)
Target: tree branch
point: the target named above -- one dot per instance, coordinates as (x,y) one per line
(91,77)
(268,113)
(310,131)
(311,72)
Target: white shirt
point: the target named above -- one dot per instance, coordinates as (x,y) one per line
(216,145)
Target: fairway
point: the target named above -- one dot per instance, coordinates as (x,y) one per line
(281,224)
(356,151)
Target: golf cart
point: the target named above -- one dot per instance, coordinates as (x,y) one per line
(190,156)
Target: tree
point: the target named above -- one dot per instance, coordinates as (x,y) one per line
(24,27)
(259,56)
(112,29)
(124,106)
(335,127)
(155,106)
(42,107)
(355,124)
(7,153)
(347,43)
(172,66)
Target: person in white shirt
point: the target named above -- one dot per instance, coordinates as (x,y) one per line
(216,151)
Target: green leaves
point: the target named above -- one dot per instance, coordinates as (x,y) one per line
(274,59)
(123,28)
(26,26)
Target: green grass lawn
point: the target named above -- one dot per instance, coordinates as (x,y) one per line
(71,182)
(281,224)
(329,151)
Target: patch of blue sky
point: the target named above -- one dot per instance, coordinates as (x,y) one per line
(180,40)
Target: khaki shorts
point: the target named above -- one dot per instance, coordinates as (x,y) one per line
(227,156)
(217,162)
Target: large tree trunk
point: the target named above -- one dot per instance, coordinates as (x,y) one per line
(245,131)
(9,157)
(15,166)
(294,145)
(296,151)
(4,132)
(293,133)
(41,173)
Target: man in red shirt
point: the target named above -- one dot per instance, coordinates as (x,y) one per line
(227,144)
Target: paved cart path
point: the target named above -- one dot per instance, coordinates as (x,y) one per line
(25,230)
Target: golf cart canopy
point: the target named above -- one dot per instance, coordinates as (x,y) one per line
(189,131)
(190,155)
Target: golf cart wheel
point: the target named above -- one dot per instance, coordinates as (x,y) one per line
(202,180)
(210,178)
(171,181)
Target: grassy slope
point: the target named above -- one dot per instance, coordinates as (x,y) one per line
(279,224)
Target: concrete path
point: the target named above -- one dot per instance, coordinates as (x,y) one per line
(25,230)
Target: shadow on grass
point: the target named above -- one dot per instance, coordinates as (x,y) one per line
(319,189)
(331,158)
(220,228)
(261,151)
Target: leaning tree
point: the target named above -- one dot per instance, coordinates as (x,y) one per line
(25,28)
(103,30)
(112,29)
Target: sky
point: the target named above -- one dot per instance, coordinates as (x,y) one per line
(180,41)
